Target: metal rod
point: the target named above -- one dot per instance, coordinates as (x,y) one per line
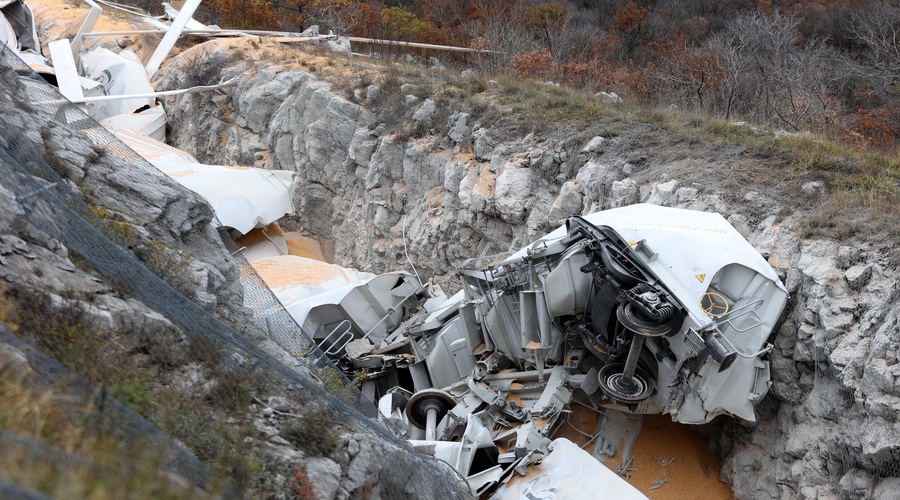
(431,423)
(164,93)
(377,41)
(415,45)
(631,363)
(201,32)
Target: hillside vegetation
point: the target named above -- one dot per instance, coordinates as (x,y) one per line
(829,67)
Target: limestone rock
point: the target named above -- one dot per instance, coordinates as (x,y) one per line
(14,359)
(425,110)
(279,403)
(341,45)
(512,192)
(814,189)
(858,275)
(623,193)
(460,131)
(311,31)
(856,484)
(361,148)
(887,489)
(567,203)
(325,475)
(484,146)
(848,256)
(8,208)
(593,180)
(608,96)
(663,193)
(686,194)
(373,92)
(258,102)
(594,146)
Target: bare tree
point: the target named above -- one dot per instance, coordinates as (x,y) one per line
(771,78)
(733,57)
(501,33)
(878,30)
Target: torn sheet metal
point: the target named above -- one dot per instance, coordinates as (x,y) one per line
(119,74)
(18,30)
(19,33)
(567,472)
(192,27)
(67,78)
(8,34)
(168,41)
(90,20)
(152,149)
(150,122)
(242,197)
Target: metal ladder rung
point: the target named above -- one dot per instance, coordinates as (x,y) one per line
(331,351)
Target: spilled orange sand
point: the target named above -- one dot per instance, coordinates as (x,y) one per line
(279,273)
(692,474)
(297,244)
(258,235)
(62,19)
(304,247)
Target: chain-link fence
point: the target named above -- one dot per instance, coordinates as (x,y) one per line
(94,410)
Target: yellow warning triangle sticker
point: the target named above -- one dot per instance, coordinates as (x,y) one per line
(700,277)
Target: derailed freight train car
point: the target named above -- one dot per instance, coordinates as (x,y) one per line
(636,310)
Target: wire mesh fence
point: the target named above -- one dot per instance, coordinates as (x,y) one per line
(48,201)
(93,409)
(8,490)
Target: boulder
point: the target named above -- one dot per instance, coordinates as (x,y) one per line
(512,192)
(663,193)
(425,110)
(568,202)
(594,146)
(325,475)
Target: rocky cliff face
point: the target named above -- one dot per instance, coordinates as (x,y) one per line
(828,427)
(148,211)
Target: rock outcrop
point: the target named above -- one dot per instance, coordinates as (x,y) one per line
(150,211)
(828,427)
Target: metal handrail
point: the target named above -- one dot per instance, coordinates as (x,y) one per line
(331,351)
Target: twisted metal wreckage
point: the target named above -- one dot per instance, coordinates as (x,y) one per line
(636,310)
(631,311)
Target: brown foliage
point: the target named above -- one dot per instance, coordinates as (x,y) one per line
(629,17)
(244,14)
(535,64)
(546,16)
(880,127)
(300,487)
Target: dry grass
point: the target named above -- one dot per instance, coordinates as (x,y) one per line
(138,367)
(50,449)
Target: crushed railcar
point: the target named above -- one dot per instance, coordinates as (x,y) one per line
(631,311)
